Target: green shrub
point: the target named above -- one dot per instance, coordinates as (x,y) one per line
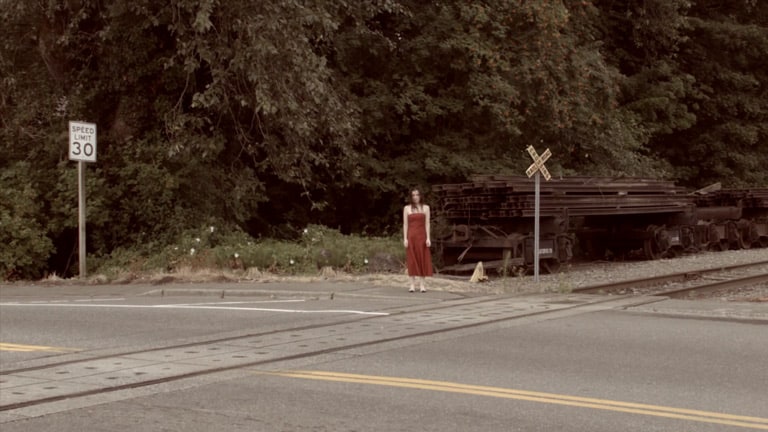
(24,244)
(209,247)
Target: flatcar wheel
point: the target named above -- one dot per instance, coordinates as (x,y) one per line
(714,239)
(748,234)
(744,241)
(689,240)
(733,235)
(718,246)
(551,265)
(673,252)
(651,246)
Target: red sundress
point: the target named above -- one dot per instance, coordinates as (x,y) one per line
(419,259)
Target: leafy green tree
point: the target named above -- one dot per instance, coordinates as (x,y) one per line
(266,116)
(694,79)
(725,53)
(448,89)
(24,244)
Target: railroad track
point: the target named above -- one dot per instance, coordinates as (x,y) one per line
(693,282)
(270,348)
(736,282)
(188,360)
(430,308)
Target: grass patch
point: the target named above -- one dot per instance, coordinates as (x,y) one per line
(206,254)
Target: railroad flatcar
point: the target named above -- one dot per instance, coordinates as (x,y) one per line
(490,219)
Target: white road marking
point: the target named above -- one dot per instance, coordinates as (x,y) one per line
(354,312)
(180,304)
(65,301)
(100,300)
(238,302)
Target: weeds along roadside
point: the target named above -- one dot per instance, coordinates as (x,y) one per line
(210,249)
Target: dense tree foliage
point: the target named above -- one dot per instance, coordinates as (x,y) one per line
(268,115)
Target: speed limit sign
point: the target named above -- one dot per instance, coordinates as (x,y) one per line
(82,148)
(82,141)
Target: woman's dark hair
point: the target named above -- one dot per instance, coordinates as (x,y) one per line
(410,198)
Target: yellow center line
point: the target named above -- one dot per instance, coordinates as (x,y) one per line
(550,398)
(5,346)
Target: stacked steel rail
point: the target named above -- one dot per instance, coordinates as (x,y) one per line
(745,198)
(501,197)
(490,217)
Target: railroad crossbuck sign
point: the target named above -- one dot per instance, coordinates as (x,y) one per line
(537,167)
(538,163)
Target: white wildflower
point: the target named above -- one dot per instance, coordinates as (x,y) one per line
(306,230)
(212,228)
(237,255)
(192,251)
(197,239)
(291,262)
(365,261)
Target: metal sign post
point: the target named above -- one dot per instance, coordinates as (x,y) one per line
(536,229)
(82,148)
(81,216)
(536,168)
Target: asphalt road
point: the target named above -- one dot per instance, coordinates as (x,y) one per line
(86,324)
(591,368)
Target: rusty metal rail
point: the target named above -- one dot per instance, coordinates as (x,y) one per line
(499,197)
(683,277)
(717,285)
(626,217)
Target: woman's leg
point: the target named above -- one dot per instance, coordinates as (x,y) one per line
(413,284)
(421,284)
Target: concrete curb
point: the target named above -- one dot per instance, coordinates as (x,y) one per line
(223,293)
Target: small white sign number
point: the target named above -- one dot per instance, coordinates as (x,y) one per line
(82,141)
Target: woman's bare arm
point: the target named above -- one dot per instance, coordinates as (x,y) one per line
(405,226)
(429,237)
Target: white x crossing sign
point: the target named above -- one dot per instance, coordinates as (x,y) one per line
(538,163)
(537,167)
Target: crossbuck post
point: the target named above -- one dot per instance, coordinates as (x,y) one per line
(538,169)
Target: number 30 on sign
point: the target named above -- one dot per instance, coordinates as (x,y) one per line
(82,141)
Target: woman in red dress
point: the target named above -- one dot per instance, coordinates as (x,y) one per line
(417,240)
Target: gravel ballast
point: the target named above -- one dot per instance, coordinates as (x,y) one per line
(606,272)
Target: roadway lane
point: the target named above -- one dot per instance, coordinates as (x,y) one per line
(47,326)
(595,371)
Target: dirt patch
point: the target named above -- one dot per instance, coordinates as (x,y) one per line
(254,275)
(385,263)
